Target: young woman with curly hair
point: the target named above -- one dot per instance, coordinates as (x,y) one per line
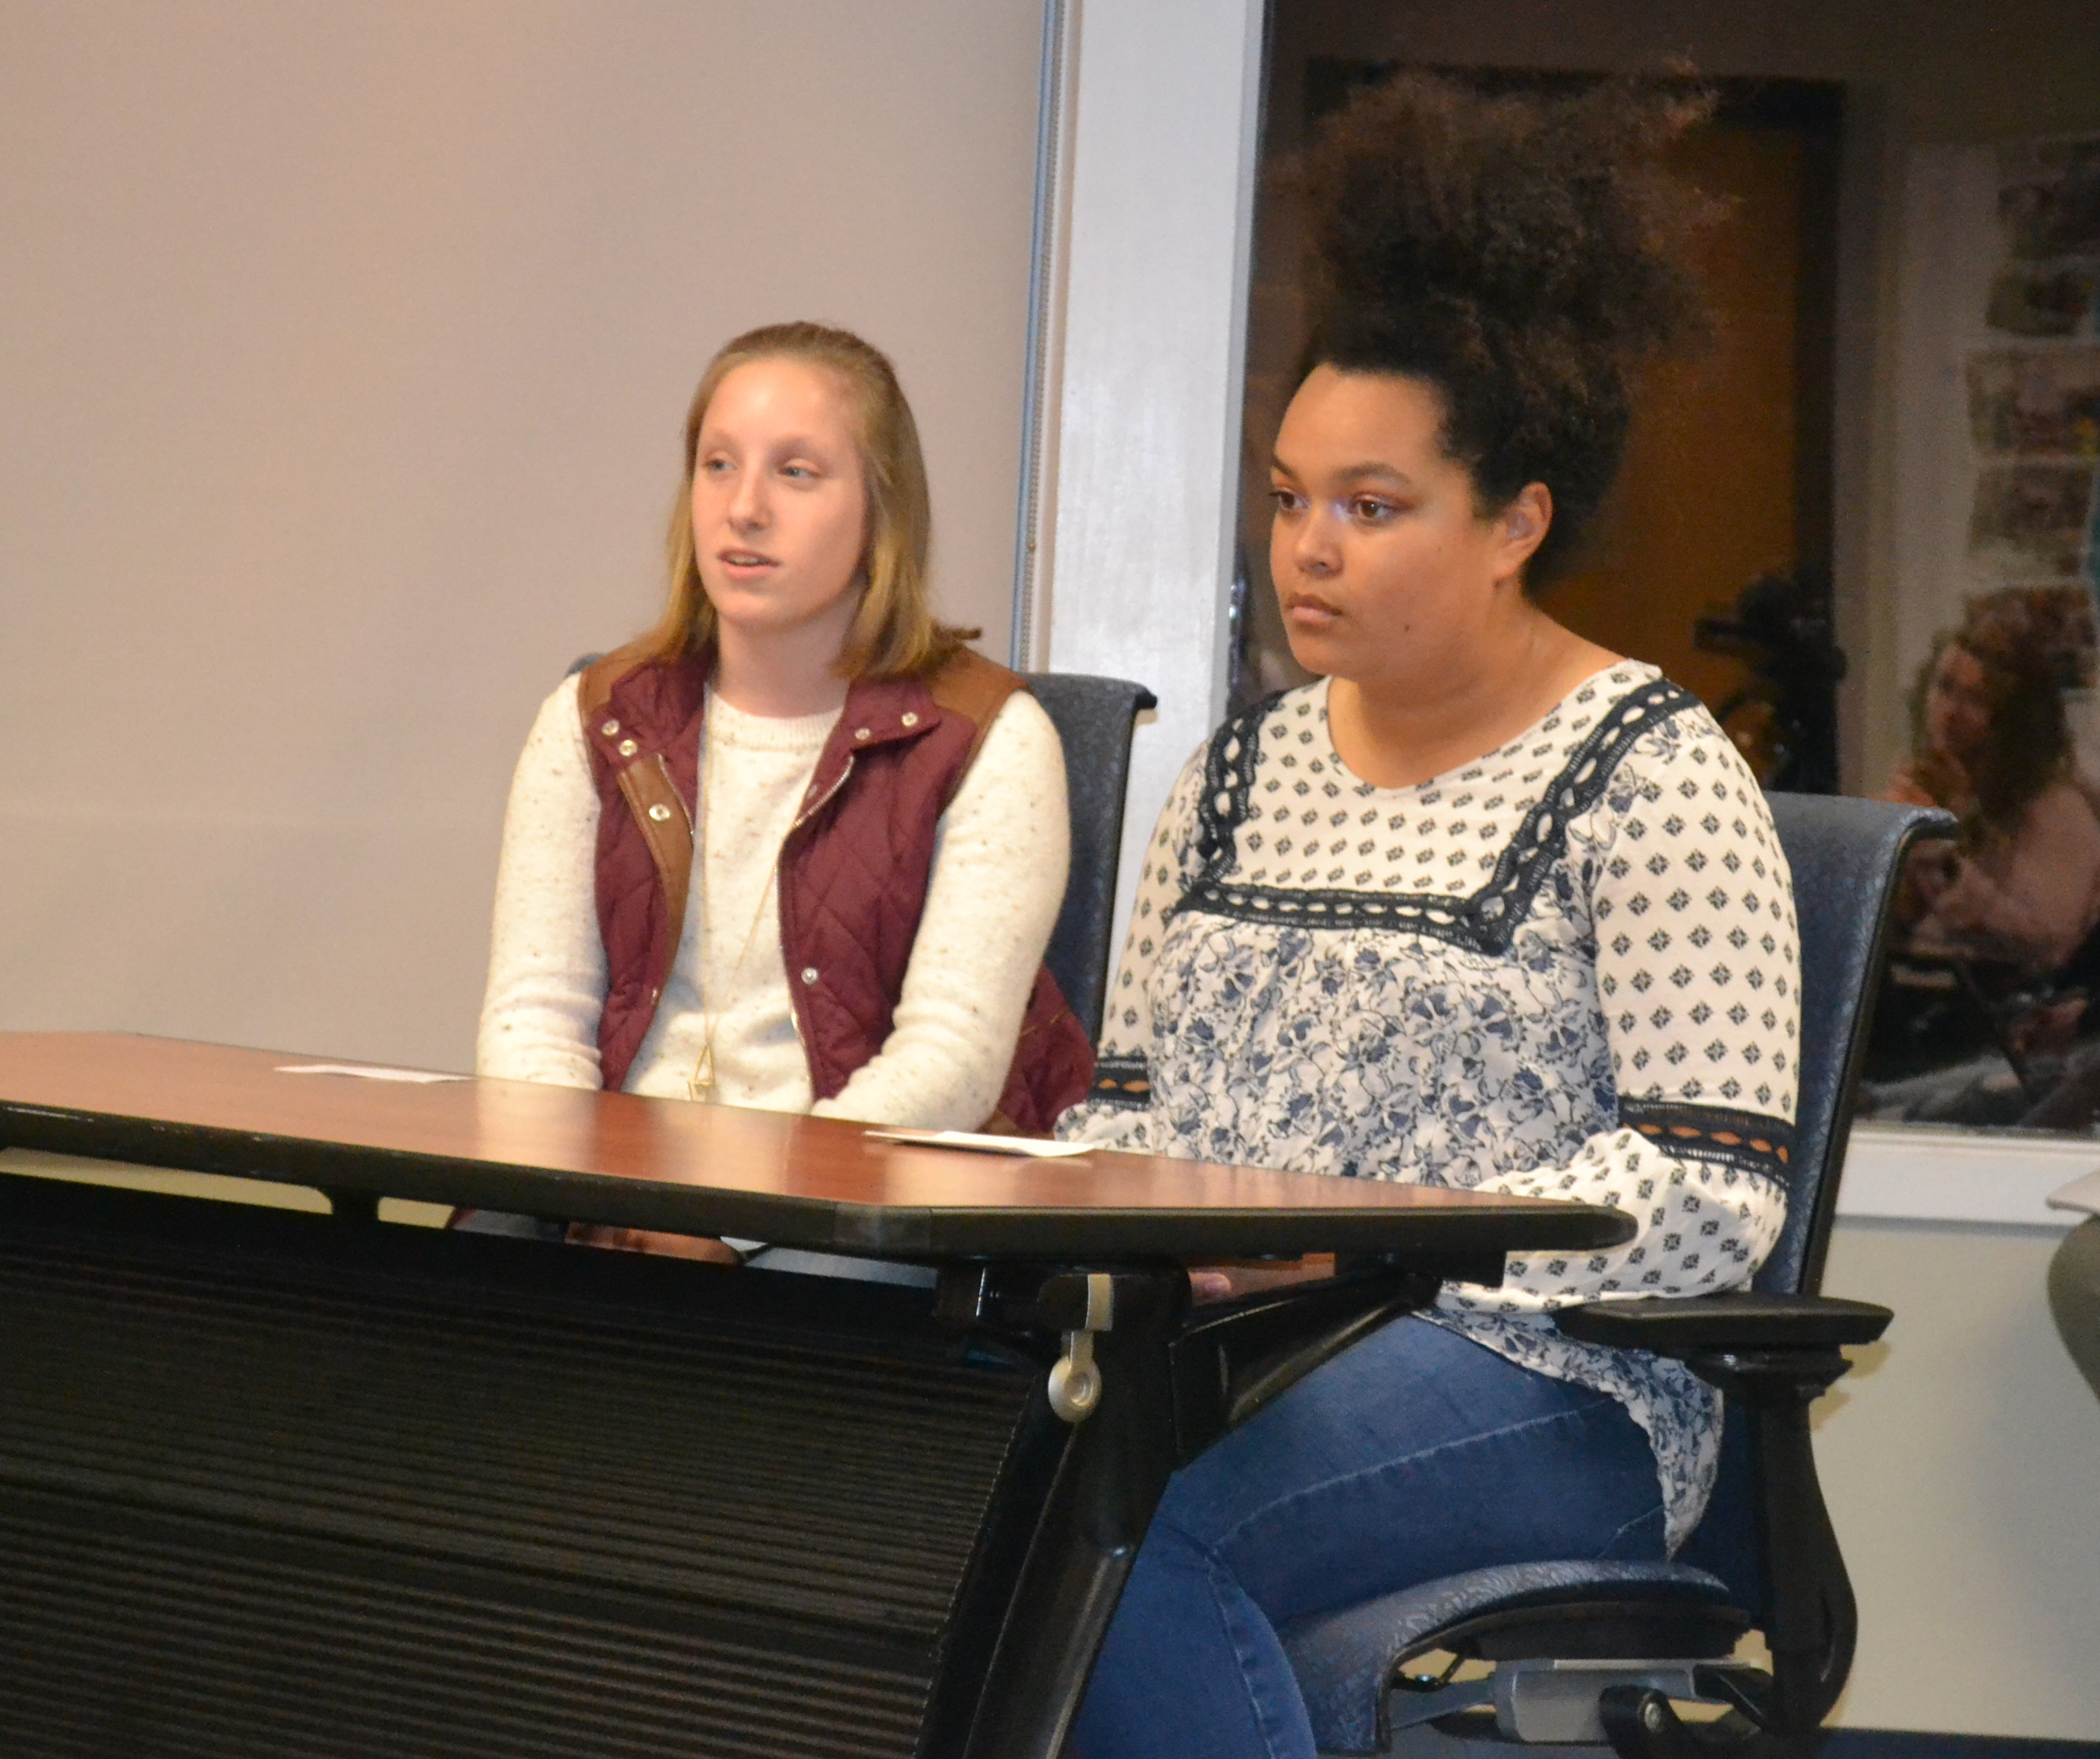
(1485,906)
(797,848)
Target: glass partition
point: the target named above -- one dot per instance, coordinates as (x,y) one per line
(1861,526)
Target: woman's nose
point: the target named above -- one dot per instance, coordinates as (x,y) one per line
(1315,550)
(747,500)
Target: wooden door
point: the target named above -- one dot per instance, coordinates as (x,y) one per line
(1711,494)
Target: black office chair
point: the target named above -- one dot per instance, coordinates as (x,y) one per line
(1093,717)
(1587,1654)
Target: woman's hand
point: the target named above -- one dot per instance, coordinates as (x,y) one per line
(1229,1281)
(2049,1030)
(1934,867)
(700,1246)
(1928,870)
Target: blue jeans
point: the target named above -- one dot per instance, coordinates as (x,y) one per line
(1413,1455)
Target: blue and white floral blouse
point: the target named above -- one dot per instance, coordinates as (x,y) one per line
(1567,969)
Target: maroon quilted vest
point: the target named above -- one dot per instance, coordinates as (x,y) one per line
(854,869)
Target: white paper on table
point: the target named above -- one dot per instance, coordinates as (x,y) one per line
(2079,1194)
(976,1142)
(365,1071)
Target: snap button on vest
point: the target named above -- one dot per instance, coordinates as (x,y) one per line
(659,811)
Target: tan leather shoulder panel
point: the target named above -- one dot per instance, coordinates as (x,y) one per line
(594,688)
(977,689)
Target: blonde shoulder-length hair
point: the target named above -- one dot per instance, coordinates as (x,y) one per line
(894,633)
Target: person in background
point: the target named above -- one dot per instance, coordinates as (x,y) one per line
(2020,886)
(1485,906)
(797,848)
(1985,1019)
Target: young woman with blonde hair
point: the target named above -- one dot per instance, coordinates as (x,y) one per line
(797,848)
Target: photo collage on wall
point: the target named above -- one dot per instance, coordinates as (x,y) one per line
(2034,403)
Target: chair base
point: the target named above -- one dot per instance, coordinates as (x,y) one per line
(1649,1727)
(1560,1633)
(1542,1705)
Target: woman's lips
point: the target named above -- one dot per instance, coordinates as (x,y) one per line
(1303,611)
(744,562)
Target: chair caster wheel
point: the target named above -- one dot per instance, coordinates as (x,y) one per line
(1642,1723)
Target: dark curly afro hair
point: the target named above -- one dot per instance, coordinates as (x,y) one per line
(1524,255)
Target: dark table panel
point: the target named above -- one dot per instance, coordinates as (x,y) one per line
(272,1487)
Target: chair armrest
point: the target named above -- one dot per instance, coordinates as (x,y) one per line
(1685,1326)
(1771,1357)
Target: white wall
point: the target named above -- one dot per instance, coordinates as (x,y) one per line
(344,348)
(1147,355)
(1961,1462)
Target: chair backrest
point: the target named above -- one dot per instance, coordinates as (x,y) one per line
(1093,717)
(1847,856)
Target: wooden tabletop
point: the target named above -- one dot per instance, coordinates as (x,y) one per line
(669,1164)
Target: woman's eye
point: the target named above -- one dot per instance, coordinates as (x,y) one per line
(1287,501)
(1372,511)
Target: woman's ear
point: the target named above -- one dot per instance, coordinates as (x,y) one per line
(1524,522)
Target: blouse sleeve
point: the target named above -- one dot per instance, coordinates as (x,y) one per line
(1698,979)
(1118,1113)
(999,863)
(546,963)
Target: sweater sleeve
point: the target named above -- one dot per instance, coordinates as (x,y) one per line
(1698,979)
(546,963)
(1118,1114)
(2028,898)
(1000,862)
